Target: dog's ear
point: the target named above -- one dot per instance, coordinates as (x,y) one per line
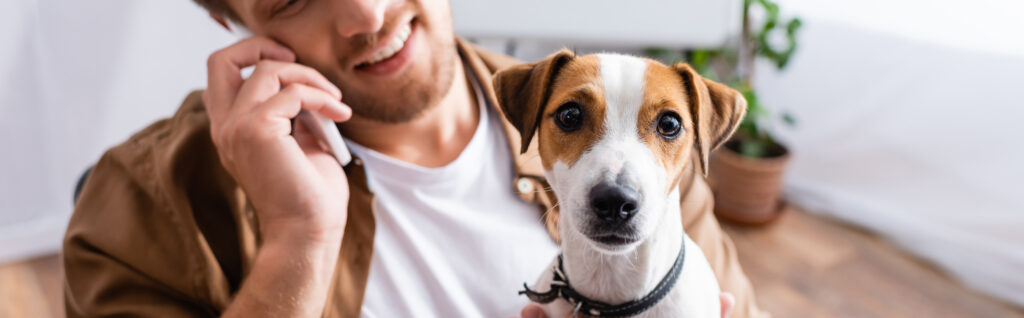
(523,90)
(716,109)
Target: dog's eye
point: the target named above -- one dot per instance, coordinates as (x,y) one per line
(569,117)
(669,125)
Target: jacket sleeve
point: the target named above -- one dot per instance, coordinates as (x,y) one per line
(126,254)
(701,225)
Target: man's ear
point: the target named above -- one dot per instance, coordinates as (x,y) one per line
(524,89)
(717,111)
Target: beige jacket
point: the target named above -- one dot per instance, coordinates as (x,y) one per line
(162,230)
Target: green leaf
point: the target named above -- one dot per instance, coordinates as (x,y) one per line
(794,25)
(700,60)
(753,149)
(655,52)
(789,119)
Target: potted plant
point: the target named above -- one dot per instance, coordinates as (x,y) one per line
(746,173)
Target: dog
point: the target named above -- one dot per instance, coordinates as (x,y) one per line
(615,134)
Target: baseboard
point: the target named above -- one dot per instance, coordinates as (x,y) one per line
(25,240)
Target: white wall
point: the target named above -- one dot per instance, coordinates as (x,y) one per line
(616,23)
(992,26)
(79,77)
(910,117)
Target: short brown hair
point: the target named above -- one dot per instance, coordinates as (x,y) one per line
(219,8)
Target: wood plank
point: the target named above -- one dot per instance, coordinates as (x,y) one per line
(21,294)
(810,266)
(50,277)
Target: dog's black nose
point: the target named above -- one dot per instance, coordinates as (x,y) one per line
(614,203)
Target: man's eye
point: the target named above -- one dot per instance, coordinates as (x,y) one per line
(569,117)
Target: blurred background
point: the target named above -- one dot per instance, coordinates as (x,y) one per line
(878,173)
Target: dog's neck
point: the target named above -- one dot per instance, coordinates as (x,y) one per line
(619,278)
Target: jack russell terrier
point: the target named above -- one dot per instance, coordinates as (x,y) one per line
(615,134)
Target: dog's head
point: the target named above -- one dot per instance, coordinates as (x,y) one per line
(615,134)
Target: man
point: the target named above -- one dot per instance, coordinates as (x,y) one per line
(228,209)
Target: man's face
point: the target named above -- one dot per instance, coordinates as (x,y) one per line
(392,59)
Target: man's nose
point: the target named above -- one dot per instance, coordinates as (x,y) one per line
(614,203)
(359,16)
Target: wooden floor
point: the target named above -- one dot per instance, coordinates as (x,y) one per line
(810,266)
(802,266)
(31,289)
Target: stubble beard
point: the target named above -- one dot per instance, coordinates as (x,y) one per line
(412,95)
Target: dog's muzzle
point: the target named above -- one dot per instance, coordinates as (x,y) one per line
(613,205)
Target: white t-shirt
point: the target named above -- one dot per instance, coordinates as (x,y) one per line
(453,241)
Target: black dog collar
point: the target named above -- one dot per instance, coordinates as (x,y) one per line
(560,288)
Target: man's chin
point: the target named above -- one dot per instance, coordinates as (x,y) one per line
(392,111)
(396,106)
(409,96)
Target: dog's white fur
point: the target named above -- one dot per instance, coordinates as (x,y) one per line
(618,274)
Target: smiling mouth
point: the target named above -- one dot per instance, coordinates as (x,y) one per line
(394,46)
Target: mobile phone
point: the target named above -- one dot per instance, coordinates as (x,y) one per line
(327,130)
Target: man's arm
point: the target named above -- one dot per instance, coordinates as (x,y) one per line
(289,279)
(129,251)
(299,191)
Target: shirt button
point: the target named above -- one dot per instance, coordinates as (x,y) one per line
(524,185)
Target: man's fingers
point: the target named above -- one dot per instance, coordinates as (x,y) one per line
(296,97)
(269,76)
(272,119)
(224,67)
(306,138)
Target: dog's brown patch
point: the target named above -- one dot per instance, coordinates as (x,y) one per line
(664,92)
(717,111)
(522,91)
(578,81)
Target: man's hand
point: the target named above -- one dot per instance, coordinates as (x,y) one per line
(297,188)
(299,191)
(726,299)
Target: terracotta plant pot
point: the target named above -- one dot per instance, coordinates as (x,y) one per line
(747,190)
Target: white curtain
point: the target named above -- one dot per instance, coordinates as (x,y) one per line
(77,77)
(910,125)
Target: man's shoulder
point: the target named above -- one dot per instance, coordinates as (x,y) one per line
(155,166)
(140,158)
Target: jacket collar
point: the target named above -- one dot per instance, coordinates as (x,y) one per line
(527,164)
(352,272)
(529,179)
